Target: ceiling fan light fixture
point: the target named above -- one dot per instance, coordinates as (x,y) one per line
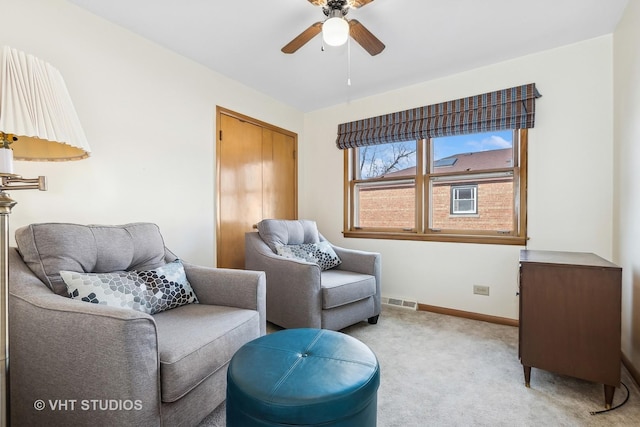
(335,30)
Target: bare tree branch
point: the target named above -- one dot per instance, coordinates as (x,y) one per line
(378,160)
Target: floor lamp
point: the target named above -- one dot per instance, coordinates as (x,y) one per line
(37,122)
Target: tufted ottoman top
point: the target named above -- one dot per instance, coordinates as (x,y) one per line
(303,376)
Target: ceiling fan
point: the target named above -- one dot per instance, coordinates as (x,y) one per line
(336,29)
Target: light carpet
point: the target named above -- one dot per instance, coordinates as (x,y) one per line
(439,370)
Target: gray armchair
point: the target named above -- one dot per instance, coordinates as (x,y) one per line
(300,294)
(78,363)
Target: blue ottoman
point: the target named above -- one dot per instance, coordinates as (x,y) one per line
(305,377)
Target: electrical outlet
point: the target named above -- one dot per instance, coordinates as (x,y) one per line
(481,290)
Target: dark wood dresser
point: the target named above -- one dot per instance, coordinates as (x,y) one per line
(570,306)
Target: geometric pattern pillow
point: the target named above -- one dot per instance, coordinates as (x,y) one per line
(320,253)
(149,291)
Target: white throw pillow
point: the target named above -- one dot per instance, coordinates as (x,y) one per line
(149,291)
(320,253)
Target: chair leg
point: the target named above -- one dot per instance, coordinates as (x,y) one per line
(373,320)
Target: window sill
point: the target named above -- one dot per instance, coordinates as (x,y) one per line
(454,238)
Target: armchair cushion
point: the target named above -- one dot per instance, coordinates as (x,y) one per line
(197,340)
(320,253)
(285,232)
(49,248)
(150,291)
(340,287)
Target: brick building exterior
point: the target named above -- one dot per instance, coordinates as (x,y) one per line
(394,206)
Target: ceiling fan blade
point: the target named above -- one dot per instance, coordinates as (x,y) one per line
(303,38)
(368,41)
(359,3)
(318,2)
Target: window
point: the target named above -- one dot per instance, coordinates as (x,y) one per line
(463,188)
(464,199)
(454,171)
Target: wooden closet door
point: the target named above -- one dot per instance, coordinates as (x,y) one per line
(240,187)
(257,179)
(278,175)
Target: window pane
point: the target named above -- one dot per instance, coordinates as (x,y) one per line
(458,153)
(463,206)
(469,199)
(464,193)
(494,210)
(386,205)
(394,159)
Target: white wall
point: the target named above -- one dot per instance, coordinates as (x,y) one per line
(570,177)
(149,116)
(627,175)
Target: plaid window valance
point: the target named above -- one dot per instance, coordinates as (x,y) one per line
(512,108)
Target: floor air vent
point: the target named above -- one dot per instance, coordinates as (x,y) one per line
(403,303)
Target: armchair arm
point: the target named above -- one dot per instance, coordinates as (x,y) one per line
(57,344)
(358,261)
(365,263)
(229,287)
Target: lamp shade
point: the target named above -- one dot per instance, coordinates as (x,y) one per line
(335,31)
(36,108)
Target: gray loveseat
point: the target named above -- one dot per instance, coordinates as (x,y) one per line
(309,294)
(74,363)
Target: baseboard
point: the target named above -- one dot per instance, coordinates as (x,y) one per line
(468,315)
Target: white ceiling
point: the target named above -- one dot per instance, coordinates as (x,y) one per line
(425,39)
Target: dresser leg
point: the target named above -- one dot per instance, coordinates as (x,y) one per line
(527,376)
(609,390)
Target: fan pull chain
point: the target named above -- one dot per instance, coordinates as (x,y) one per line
(349,61)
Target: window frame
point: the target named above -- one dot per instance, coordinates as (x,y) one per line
(421,230)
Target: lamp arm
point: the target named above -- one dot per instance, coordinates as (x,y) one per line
(16,182)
